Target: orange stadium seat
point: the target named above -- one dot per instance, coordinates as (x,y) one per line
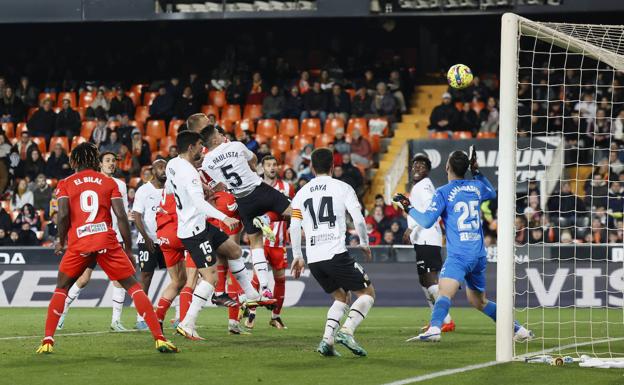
(135,123)
(174,125)
(109,95)
(76,140)
(487,135)
(66,95)
(210,109)
(156,129)
(311,126)
(300,141)
(47,95)
(135,97)
(142,113)
(267,127)
(156,154)
(359,123)
(31,112)
(289,127)
(21,126)
(82,111)
(260,138)
(226,124)
(459,106)
(243,125)
(375,142)
(280,143)
(351,92)
(217,98)
(138,88)
(291,157)
(438,135)
(59,139)
(56,109)
(165,143)
(151,141)
(462,135)
(40,141)
(478,106)
(231,112)
(9,129)
(253,111)
(148,98)
(323,139)
(87,128)
(332,124)
(86,98)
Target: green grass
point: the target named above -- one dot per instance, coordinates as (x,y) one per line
(268,356)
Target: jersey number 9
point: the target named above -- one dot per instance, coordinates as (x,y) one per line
(89,203)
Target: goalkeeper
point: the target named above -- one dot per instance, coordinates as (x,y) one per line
(458,203)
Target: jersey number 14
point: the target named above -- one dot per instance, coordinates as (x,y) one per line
(325,214)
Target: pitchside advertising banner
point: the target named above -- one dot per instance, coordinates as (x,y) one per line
(532,158)
(28,276)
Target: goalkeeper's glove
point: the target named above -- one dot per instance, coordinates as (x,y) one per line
(401,201)
(472,158)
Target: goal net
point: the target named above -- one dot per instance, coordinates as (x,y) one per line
(560,270)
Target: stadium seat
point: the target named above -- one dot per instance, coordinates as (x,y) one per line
(157,154)
(109,95)
(462,135)
(375,142)
(267,127)
(87,128)
(86,98)
(486,135)
(261,138)
(135,123)
(31,112)
(135,97)
(142,113)
(174,125)
(56,110)
(165,143)
(66,95)
(226,124)
(40,141)
(47,95)
(438,135)
(59,139)
(280,143)
(323,139)
(290,158)
(76,140)
(210,109)
(134,182)
(351,92)
(156,129)
(477,106)
(217,98)
(82,111)
(300,141)
(114,124)
(459,106)
(21,126)
(289,127)
(148,98)
(9,129)
(243,125)
(332,124)
(311,126)
(375,123)
(359,123)
(151,141)
(231,112)
(138,88)
(253,111)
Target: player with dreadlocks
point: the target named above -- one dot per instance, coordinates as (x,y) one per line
(85,228)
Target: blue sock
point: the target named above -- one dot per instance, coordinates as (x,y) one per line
(440,310)
(490,311)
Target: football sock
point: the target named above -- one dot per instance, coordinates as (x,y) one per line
(261,266)
(72,295)
(55,309)
(334,315)
(490,311)
(119,295)
(163,306)
(440,310)
(186,296)
(139,318)
(240,273)
(176,304)
(201,295)
(221,277)
(358,312)
(254,281)
(278,293)
(428,297)
(272,217)
(433,291)
(145,309)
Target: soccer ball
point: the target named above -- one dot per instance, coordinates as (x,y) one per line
(459,76)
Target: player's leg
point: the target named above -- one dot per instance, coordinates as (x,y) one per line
(74,292)
(428,264)
(186,294)
(235,292)
(148,262)
(177,274)
(277,260)
(222,271)
(118,298)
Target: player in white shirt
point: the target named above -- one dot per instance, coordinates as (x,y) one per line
(320,207)
(108,165)
(427,241)
(203,241)
(232,164)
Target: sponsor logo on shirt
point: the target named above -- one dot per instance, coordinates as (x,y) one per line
(91,228)
(323,238)
(469,237)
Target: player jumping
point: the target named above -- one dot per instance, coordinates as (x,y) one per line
(320,206)
(458,203)
(85,200)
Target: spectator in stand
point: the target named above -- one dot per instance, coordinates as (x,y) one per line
(33,165)
(257,91)
(300,183)
(522,232)
(5,151)
(50,231)
(121,104)
(249,141)
(186,104)
(555,117)
(381,222)
(162,106)
(99,106)
(99,135)
(290,176)
(28,215)
(388,238)
(197,87)
(615,165)
(125,163)
(21,196)
(489,116)
(5,220)
(174,88)
(42,194)
(124,130)
(598,231)
(24,145)
(274,104)
(315,104)
(389,211)
(140,149)
(27,237)
(374,236)
(112,144)
(43,121)
(339,105)
(564,206)
(444,117)
(264,150)
(369,82)
(27,93)
(599,133)
(468,120)
(352,175)
(384,105)
(340,142)
(304,82)
(303,159)
(212,119)
(293,106)
(173,152)
(536,235)
(397,232)
(361,151)
(67,121)
(57,166)
(597,192)
(587,107)
(326,82)
(13,239)
(235,92)
(362,103)
(394,86)
(337,155)
(11,107)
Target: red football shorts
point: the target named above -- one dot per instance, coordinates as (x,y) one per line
(276,257)
(171,247)
(189,261)
(113,261)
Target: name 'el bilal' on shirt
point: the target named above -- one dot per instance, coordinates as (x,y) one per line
(228,163)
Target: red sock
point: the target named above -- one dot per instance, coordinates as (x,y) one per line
(274,217)
(186,296)
(233,290)
(221,273)
(255,282)
(145,310)
(55,309)
(278,293)
(163,306)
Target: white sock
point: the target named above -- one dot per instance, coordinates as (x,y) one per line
(201,295)
(119,295)
(334,315)
(358,312)
(434,291)
(428,297)
(72,294)
(239,271)
(176,304)
(261,266)
(139,318)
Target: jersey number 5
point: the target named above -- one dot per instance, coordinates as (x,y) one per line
(237,181)
(469,217)
(89,203)
(325,214)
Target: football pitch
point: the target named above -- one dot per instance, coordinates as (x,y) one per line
(86,353)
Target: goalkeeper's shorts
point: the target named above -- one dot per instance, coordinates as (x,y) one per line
(461,269)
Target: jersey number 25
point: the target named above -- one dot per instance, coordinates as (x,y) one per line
(469,217)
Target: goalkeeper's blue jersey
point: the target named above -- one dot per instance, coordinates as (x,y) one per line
(459,205)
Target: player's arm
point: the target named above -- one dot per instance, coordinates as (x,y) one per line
(427,218)
(63,224)
(298,264)
(488,192)
(122,222)
(251,158)
(196,192)
(355,210)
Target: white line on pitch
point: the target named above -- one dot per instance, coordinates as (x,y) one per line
(66,335)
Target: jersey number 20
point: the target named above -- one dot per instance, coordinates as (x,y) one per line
(469,217)
(325,214)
